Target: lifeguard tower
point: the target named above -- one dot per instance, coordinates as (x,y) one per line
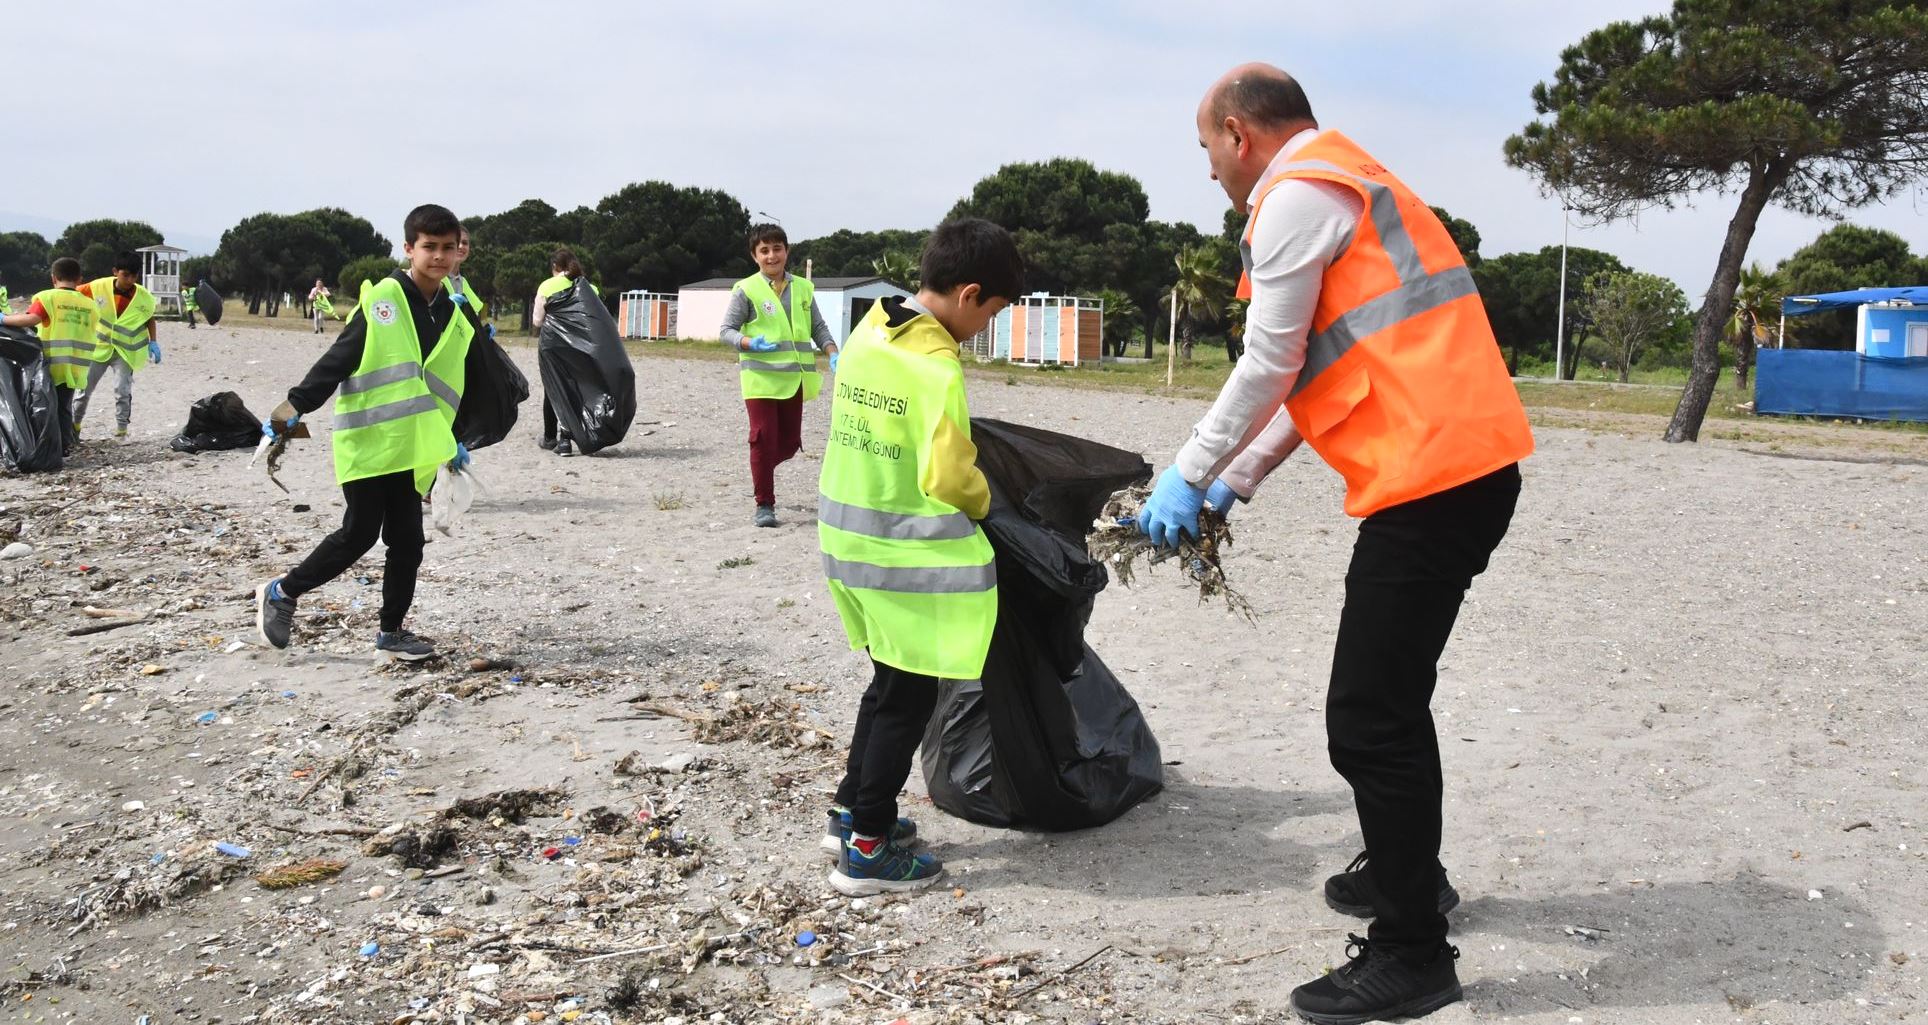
(161,273)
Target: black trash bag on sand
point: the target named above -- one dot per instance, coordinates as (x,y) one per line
(29,423)
(586,373)
(210,302)
(220,421)
(488,410)
(1049,739)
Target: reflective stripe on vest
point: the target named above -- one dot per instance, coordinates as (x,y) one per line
(896,526)
(385,412)
(376,378)
(912,579)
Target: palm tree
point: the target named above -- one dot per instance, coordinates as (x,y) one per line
(1201,289)
(896,267)
(1758,295)
(1120,316)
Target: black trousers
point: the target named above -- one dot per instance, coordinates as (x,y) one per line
(387,507)
(549,424)
(890,723)
(64,419)
(1410,569)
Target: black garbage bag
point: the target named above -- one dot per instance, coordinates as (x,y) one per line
(1049,738)
(220,421)
(210,302)
(29,423)
(490,400)
(586,373)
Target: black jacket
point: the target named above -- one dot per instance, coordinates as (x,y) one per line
(339,362)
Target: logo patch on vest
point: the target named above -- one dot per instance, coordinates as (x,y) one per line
(384,312)
(769,306)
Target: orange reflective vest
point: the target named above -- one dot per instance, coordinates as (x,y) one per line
(1404,391)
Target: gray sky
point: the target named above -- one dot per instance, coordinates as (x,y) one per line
(858,114)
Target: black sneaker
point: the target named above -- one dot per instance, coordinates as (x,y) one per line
(1375,985)
(766,515)
(564,448)
(274,614)
(403,645)
(547,443)
(1351,892)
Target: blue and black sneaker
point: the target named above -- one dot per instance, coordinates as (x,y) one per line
(888,868)
(836,832)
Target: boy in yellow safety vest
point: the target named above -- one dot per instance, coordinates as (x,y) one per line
(775,328)
(67,321)
(400,365)
(128,338)
(912,575)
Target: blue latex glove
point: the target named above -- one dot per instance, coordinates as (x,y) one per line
(491,327)
(154,350)
(267,426)
(461,460)
(1221,497)
(1172,510)
(833,360)
(762,344)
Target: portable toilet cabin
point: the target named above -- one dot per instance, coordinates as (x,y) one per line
(161,273)
(1050,329)
(650,315)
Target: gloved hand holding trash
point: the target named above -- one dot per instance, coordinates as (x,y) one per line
(762,344)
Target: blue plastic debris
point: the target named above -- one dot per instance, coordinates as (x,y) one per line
(571,841)
(515,679)
(158,858)
(370,949)
(806,938)
(287,693)
(207,717)
(233,850)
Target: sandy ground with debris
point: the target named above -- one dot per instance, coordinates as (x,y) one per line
(1682,718)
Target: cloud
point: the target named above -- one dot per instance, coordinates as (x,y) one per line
(862,114)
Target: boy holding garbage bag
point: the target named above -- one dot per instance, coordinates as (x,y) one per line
(911,572)
(68,322)
(400,366)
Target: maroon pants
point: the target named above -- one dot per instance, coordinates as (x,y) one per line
(776,434)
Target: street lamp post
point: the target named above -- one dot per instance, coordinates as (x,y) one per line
(1559,332)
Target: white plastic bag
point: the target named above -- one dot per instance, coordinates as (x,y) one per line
(454,492)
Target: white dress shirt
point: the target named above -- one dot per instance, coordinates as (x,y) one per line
(1301,227)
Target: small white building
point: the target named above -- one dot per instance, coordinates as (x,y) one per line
(843,301)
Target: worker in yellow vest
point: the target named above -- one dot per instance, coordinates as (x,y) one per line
(400,366)
(67,322)
(911,573)
(189,304)
(564,270)
(127,337)
(321,303)
(775,328)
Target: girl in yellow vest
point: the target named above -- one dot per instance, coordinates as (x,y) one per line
(911,572)
(399,366)
(127,338)
(775,328)
(564,269)
(68,322)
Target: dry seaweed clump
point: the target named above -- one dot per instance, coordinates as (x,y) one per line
(1115,541)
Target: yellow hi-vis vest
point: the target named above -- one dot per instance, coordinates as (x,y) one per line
(394,413)
(914,580)
(793,365)
(188,303)
(67,336)
(123,334)
(323,302)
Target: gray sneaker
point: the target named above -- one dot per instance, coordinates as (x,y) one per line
(274,614)
(403,645)
(766,515)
